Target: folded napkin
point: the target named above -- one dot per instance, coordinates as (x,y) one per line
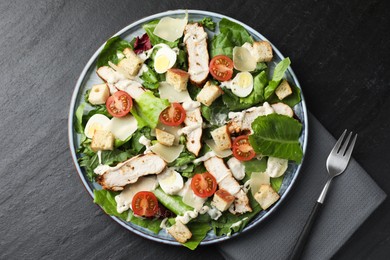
(352,197)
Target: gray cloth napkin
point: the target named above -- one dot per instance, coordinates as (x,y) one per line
(352,197)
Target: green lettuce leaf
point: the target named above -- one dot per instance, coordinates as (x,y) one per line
(110,50)
(255,165)
(222,45)
(172,202)
(279,71)
(276,183)
(216,113)
(154,39)
(234,102)
(208,23)
(278,136)
(106,200)
(150,79)
(199,231)
(239,35)
(290,100)
(78,126)
(148,108)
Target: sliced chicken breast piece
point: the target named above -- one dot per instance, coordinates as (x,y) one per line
(193,130)
(216,167)
(242,121)
(129,171)
(195,39)
(109,75)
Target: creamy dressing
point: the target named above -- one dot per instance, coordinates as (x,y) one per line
(146,142)
(190,128)
(246,187)
(163,224)
(146,54)
(191,214)
(190,105)
(205,157)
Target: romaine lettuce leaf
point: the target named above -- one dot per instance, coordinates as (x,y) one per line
(234,102)
(148,108)
(106,200)
(290,100)
(278,136)
(222,45)
(199,231)
(216,113)
(109,52)
(255,165)
(78,124)
(154,39)
(150,79)
(279,71)
(276,183)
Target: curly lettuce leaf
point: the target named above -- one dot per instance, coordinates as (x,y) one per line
(234,102)
(208,23)
(278,136)
(239,35)
(148,108)
(106,200)
(110,50)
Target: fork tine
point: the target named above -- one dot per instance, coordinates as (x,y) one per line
(350,148)
(338,144)
(345,144)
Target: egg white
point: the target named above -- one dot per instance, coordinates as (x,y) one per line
(242,84)
(165,59)
(97,122)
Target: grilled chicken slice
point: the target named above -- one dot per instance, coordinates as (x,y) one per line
(116,178)
(195,39)
(109,75)
(216,167)
(193,130)
(242,121)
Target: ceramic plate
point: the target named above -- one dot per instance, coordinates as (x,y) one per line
(88,78)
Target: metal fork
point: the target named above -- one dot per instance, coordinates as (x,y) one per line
(336,164)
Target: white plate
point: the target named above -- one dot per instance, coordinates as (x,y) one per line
(88,78)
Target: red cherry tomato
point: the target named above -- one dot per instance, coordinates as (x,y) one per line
(242,149)
(119,104)
(173,115)
(221,67)
(204,184)
(144,204)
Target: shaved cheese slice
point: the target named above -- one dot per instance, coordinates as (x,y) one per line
(167,153)
(173,130)
(167,91)
(219,153)
(243,60)
(171,29)
(190,198)
(258,179)
(125,198)
(276,167)
(123,127)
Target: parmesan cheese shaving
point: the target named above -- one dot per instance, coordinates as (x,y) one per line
(167,91)
(243,60)
(167,153)
(123,127)
(171,29)
(258,179)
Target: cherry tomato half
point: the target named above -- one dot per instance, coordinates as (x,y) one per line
(173,115)
(119,104)
(144,204)
(204,184)
(221,67)
(242,149)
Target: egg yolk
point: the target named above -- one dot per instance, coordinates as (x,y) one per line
(161,63)
(94,127)
(244,80)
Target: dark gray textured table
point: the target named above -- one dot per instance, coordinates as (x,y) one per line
(339,52)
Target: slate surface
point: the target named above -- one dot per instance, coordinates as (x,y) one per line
(339,52)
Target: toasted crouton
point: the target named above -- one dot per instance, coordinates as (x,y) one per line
(178,79)
(209,93)
(180,232)
(283,90)
(266,196)
(164,137)
(98,94)
(264,50)
(221,137)
(102,140)
(222,199)
(132,63)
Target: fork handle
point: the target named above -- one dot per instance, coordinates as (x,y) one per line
(300,245)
